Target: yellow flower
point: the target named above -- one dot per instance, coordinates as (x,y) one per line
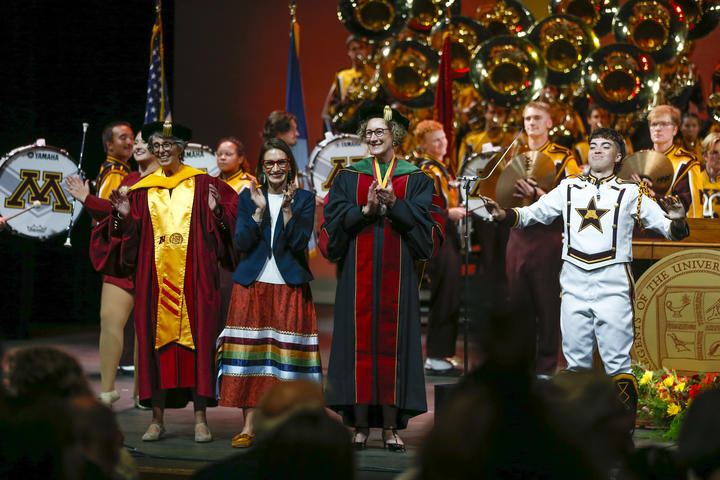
(646,378)
(669,380)
(680,387)
(673,409)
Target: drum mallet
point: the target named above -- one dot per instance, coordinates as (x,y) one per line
(68,244)
(35,204)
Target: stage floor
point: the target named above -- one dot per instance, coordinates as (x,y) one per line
(177,455)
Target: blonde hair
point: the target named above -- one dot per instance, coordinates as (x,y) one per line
(545,107)
(669,110)
(709,142)
(426,126)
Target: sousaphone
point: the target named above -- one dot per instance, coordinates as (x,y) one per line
(620,78)
(508,70)
(596,14)
(409,72)
(465,35)
(656,27)
(374,19)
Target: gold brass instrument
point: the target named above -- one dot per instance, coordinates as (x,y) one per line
(564,41)
(597,14)
(620,78)
(708,20)
(425,14)
(505,17)
(409,72)
(654,26)
(507,70)
(465,35)
(374,19)
(713,106)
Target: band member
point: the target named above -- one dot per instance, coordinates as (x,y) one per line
(596,118)
(117,300)
(118,141)
(348,81)
(271,332)
(377,225)
(598,213)
(234,169)
(689,132)
(710,178)
(443,268)
(664,122)
(533,254)
(282,125)
(171,230)
(493,137)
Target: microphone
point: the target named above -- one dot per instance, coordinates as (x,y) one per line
(467,178)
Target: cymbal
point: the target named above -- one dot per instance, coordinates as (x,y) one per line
(535,165)
(651,165)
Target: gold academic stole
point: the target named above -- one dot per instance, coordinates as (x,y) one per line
(170,215)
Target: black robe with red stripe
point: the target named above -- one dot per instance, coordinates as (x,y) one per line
(376,354)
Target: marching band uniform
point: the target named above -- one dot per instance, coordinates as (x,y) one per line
(710,195)
(596,282)
(686,180)
(239,180)
(474,141)
(111,175)
(533,266)
(444,268)
(177,310)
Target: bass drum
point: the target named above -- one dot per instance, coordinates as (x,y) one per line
(479,165)
(201,157)
(35,173)
(330,156)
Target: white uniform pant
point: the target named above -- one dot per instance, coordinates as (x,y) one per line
(597,305)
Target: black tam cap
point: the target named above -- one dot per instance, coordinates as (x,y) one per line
(166,129)
(375,110)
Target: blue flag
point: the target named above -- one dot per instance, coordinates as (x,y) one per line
(157,105)
(294,102)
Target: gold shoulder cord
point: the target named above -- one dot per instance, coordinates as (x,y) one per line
(643,190)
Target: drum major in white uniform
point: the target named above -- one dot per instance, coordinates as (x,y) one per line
(596,282)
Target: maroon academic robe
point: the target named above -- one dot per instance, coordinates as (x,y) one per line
(125,247)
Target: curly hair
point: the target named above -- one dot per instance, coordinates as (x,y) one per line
(397,131)
(426,126)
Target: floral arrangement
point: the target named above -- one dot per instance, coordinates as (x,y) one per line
(664,397)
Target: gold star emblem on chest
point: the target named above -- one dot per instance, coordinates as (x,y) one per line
(591,215)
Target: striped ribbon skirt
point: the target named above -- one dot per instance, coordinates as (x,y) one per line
(270,335)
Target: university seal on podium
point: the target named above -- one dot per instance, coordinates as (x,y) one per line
(677,313)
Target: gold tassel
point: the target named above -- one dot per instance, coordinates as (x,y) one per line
(387,113)
(167,129)
(643,189)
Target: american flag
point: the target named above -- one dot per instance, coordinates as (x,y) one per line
(157,106)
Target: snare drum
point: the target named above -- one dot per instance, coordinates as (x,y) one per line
(478,165)
(36,173)
(201,157)
(330,156)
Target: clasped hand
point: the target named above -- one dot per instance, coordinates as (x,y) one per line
(378,195)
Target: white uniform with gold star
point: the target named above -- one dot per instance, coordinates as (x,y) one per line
(596,283)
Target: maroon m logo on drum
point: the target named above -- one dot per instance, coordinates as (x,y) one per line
(29,184)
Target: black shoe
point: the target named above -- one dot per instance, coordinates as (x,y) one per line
(447,372)
(394,445)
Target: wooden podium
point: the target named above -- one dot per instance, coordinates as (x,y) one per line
(704,233)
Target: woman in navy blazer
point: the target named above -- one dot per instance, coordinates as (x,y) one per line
(271,330)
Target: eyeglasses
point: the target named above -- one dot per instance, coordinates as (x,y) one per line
(379,133)
(282,163)
(163,146)
(661,124)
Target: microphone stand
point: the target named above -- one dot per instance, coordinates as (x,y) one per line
(466,281)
